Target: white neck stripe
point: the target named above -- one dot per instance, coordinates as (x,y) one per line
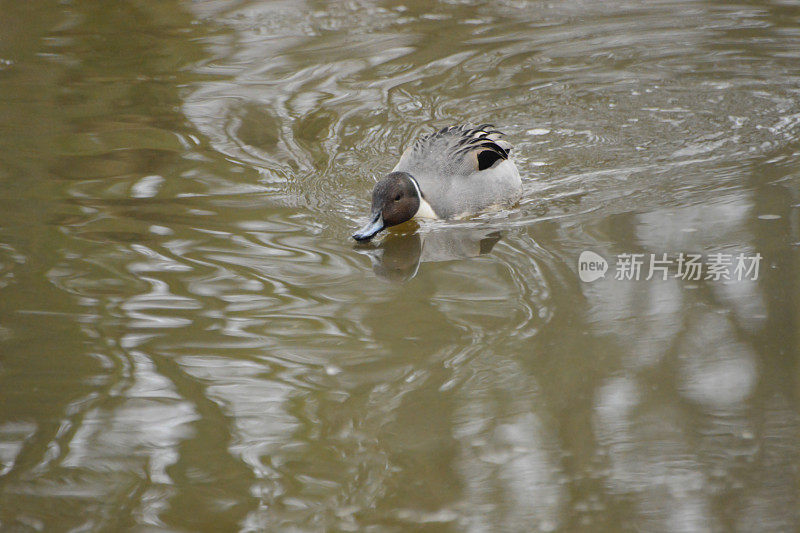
(416,186)
(424,210)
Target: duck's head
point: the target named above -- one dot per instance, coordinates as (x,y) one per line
(395,199)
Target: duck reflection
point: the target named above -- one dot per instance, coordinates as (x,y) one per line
(398,256)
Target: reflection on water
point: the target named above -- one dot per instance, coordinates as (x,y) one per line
(189,340)
(398,256)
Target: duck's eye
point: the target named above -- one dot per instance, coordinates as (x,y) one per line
(397,198)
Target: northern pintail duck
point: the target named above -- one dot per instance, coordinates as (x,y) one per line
(454,172)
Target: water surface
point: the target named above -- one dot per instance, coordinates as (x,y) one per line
(190,341)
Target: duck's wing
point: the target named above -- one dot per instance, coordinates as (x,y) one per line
(482,146)
(456,150)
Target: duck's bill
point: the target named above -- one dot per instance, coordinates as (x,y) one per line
(370,229)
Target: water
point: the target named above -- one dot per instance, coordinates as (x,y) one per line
(189,340)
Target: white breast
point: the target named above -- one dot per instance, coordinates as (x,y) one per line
(425,210)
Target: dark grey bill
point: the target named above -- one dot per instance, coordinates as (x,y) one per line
(371,228)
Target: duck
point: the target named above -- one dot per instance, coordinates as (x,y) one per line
(454,172)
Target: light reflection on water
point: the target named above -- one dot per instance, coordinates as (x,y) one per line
(189,340)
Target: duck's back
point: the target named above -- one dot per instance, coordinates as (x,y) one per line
(463,170)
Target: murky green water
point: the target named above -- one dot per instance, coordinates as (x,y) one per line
(189,340)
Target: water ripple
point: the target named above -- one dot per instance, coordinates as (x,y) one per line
(193,339)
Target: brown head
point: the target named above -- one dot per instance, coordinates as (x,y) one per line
(395,199)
